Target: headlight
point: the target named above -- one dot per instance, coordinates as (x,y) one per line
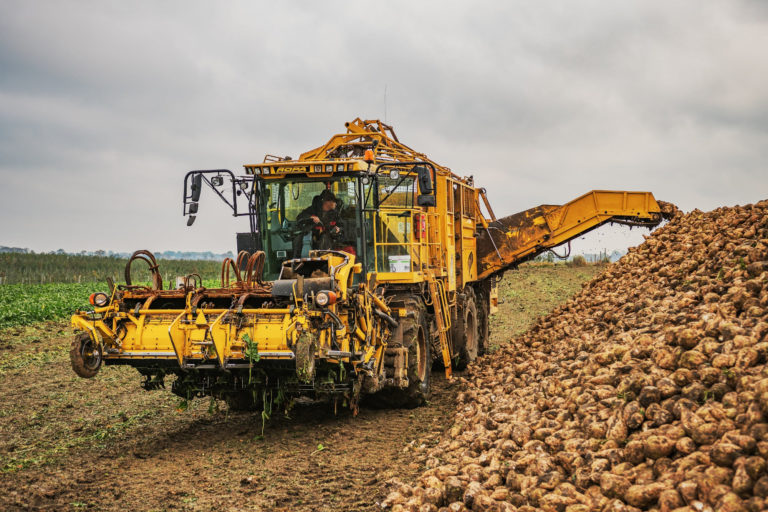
(99,299)
(329,168)
(325,298)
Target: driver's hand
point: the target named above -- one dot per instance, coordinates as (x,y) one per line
(315,219)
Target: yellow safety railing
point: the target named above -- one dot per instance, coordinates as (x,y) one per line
(395,241)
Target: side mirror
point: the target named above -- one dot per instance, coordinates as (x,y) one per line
(426,200)
(192,212)
(197,186)
(425,180)
(426,187)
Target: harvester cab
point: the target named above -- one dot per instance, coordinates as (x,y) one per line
(363,264)
(288,216)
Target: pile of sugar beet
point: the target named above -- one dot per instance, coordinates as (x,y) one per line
(646,391)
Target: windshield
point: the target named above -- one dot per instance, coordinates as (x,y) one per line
(299,215)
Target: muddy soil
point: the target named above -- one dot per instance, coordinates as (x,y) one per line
(105,444)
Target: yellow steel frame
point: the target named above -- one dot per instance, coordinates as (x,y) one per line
(208,336)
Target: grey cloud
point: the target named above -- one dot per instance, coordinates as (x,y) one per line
(540,102)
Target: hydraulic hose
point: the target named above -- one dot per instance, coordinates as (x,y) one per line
(225,272)
(148,258)
(254,270)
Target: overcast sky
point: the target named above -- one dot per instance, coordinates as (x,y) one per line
(105,105)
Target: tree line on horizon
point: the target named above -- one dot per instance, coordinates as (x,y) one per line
(168,255)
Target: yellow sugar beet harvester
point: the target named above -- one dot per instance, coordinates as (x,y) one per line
(399,272)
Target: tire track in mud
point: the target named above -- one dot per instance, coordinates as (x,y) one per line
(314,461)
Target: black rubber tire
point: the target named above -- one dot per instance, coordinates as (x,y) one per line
(243,401)
(417,392)
(85,356)
(416,339)
(465,331)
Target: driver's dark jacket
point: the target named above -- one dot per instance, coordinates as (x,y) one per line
(328,221)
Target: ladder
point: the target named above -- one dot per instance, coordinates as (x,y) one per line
(440,305)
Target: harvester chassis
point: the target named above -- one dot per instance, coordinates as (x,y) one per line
(403,275)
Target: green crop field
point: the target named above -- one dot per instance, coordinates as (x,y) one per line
(40,287)
(23,304)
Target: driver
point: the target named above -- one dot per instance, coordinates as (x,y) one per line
(322,218)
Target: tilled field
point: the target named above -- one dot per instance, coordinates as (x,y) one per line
(105,444)
(647,391)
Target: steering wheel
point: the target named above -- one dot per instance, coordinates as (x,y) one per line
(292,228)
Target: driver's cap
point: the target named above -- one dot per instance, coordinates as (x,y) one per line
(327,195)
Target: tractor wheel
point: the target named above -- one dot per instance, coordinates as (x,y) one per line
(243,401)
(465,332)
(419,363)
(416,339)
(85,355)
